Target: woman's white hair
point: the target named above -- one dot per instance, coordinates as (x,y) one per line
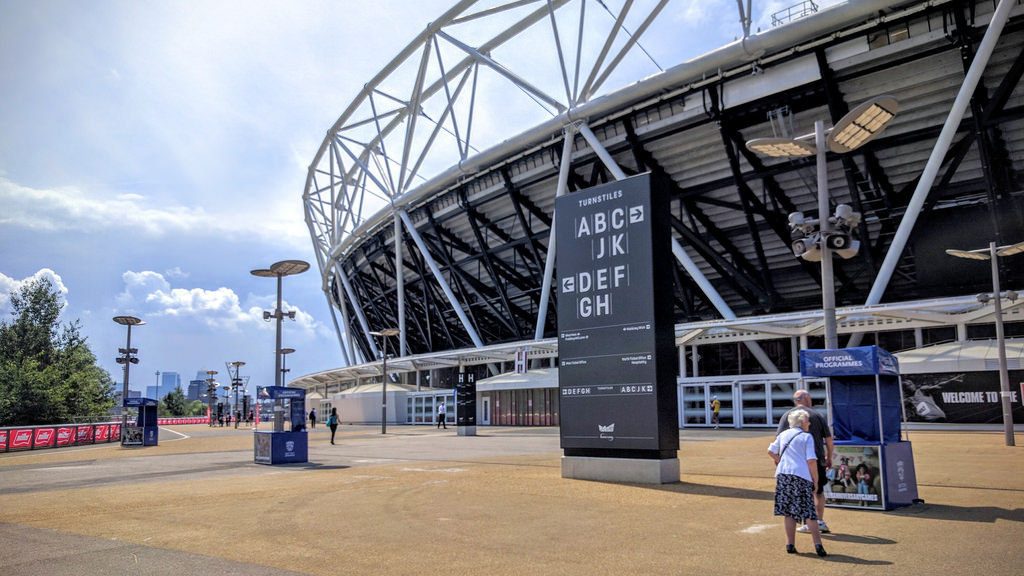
(797,417)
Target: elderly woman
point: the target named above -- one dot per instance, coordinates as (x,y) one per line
(796,479)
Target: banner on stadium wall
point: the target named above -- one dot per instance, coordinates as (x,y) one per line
(961,397)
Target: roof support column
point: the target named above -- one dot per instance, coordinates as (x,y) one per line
(400,288)
(924,184)
(359,312)
(456,305)
(549,260)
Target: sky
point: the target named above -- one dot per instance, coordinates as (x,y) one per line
(153,153)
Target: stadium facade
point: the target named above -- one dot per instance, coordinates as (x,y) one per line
(430,201)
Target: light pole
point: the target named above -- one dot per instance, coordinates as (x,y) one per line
(127,359)
(211,393)
(279,270)
(853,130)
(236,383)
(384,335)
(993,253)
(284,364)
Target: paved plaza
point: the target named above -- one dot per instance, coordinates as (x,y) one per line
(424,501)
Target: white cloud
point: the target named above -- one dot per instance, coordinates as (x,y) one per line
(75,210)
(9,285)
(151,294)
(176,273)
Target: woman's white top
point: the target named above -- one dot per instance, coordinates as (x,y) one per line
(799,448)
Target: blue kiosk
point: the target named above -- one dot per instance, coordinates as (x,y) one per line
(286,442)
(144,431)
(872,468)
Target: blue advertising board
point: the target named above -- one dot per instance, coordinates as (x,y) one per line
(860,361)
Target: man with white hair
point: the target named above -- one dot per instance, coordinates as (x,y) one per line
(822,449)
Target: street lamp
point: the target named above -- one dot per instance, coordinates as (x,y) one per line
(284,356)
(236,383)
(279,270)
(384,335)
(127,359)
(211,393)
(992,253)
(853,130)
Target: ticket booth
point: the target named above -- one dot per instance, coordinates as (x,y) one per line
(282,413)
(142,431)
(872,467)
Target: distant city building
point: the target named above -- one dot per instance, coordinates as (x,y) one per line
(196,389)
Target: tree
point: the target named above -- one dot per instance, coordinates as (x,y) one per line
(174,403)
(48,374)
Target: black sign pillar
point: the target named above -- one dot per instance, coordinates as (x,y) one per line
(617,390)
(465,404)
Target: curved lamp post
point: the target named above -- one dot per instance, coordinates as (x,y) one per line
(236,383)
(853,130)
(128,358)
(211,394)
(993,253)
(384,335)
(279,270)
(284,364)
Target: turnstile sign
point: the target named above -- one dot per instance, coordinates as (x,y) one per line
(617,391)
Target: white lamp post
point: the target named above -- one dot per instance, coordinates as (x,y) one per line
(127,359)
(862,124)
(992,253)
(279,270)
(384,335)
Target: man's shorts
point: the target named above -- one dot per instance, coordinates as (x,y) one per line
(821,477)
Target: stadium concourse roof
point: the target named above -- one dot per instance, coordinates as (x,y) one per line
(901,316)
(420,228)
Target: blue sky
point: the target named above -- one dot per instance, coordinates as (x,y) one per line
(153,153)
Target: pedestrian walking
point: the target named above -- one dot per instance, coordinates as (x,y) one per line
(312,418)
(441,414)
(822,449)
(332,421)
(716,408)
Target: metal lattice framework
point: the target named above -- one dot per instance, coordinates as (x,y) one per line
(430,201)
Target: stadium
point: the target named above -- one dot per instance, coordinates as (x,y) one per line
(430,201)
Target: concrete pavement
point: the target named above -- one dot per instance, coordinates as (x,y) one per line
(421,500)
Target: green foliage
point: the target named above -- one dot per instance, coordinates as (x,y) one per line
(173,404)
(196,408)
(48,374)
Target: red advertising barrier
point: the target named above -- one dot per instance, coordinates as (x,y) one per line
(45,438)
(65,435)
(35,437)
(21,439)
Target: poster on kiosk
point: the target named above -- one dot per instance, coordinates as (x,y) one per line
(283,410)
(872,468)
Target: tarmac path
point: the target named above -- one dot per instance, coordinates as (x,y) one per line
(419,500)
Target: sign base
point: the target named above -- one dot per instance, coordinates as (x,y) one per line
(636,470)
(467,430)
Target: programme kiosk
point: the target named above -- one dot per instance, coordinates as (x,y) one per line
(283,409)
(872,468)
(143,431)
